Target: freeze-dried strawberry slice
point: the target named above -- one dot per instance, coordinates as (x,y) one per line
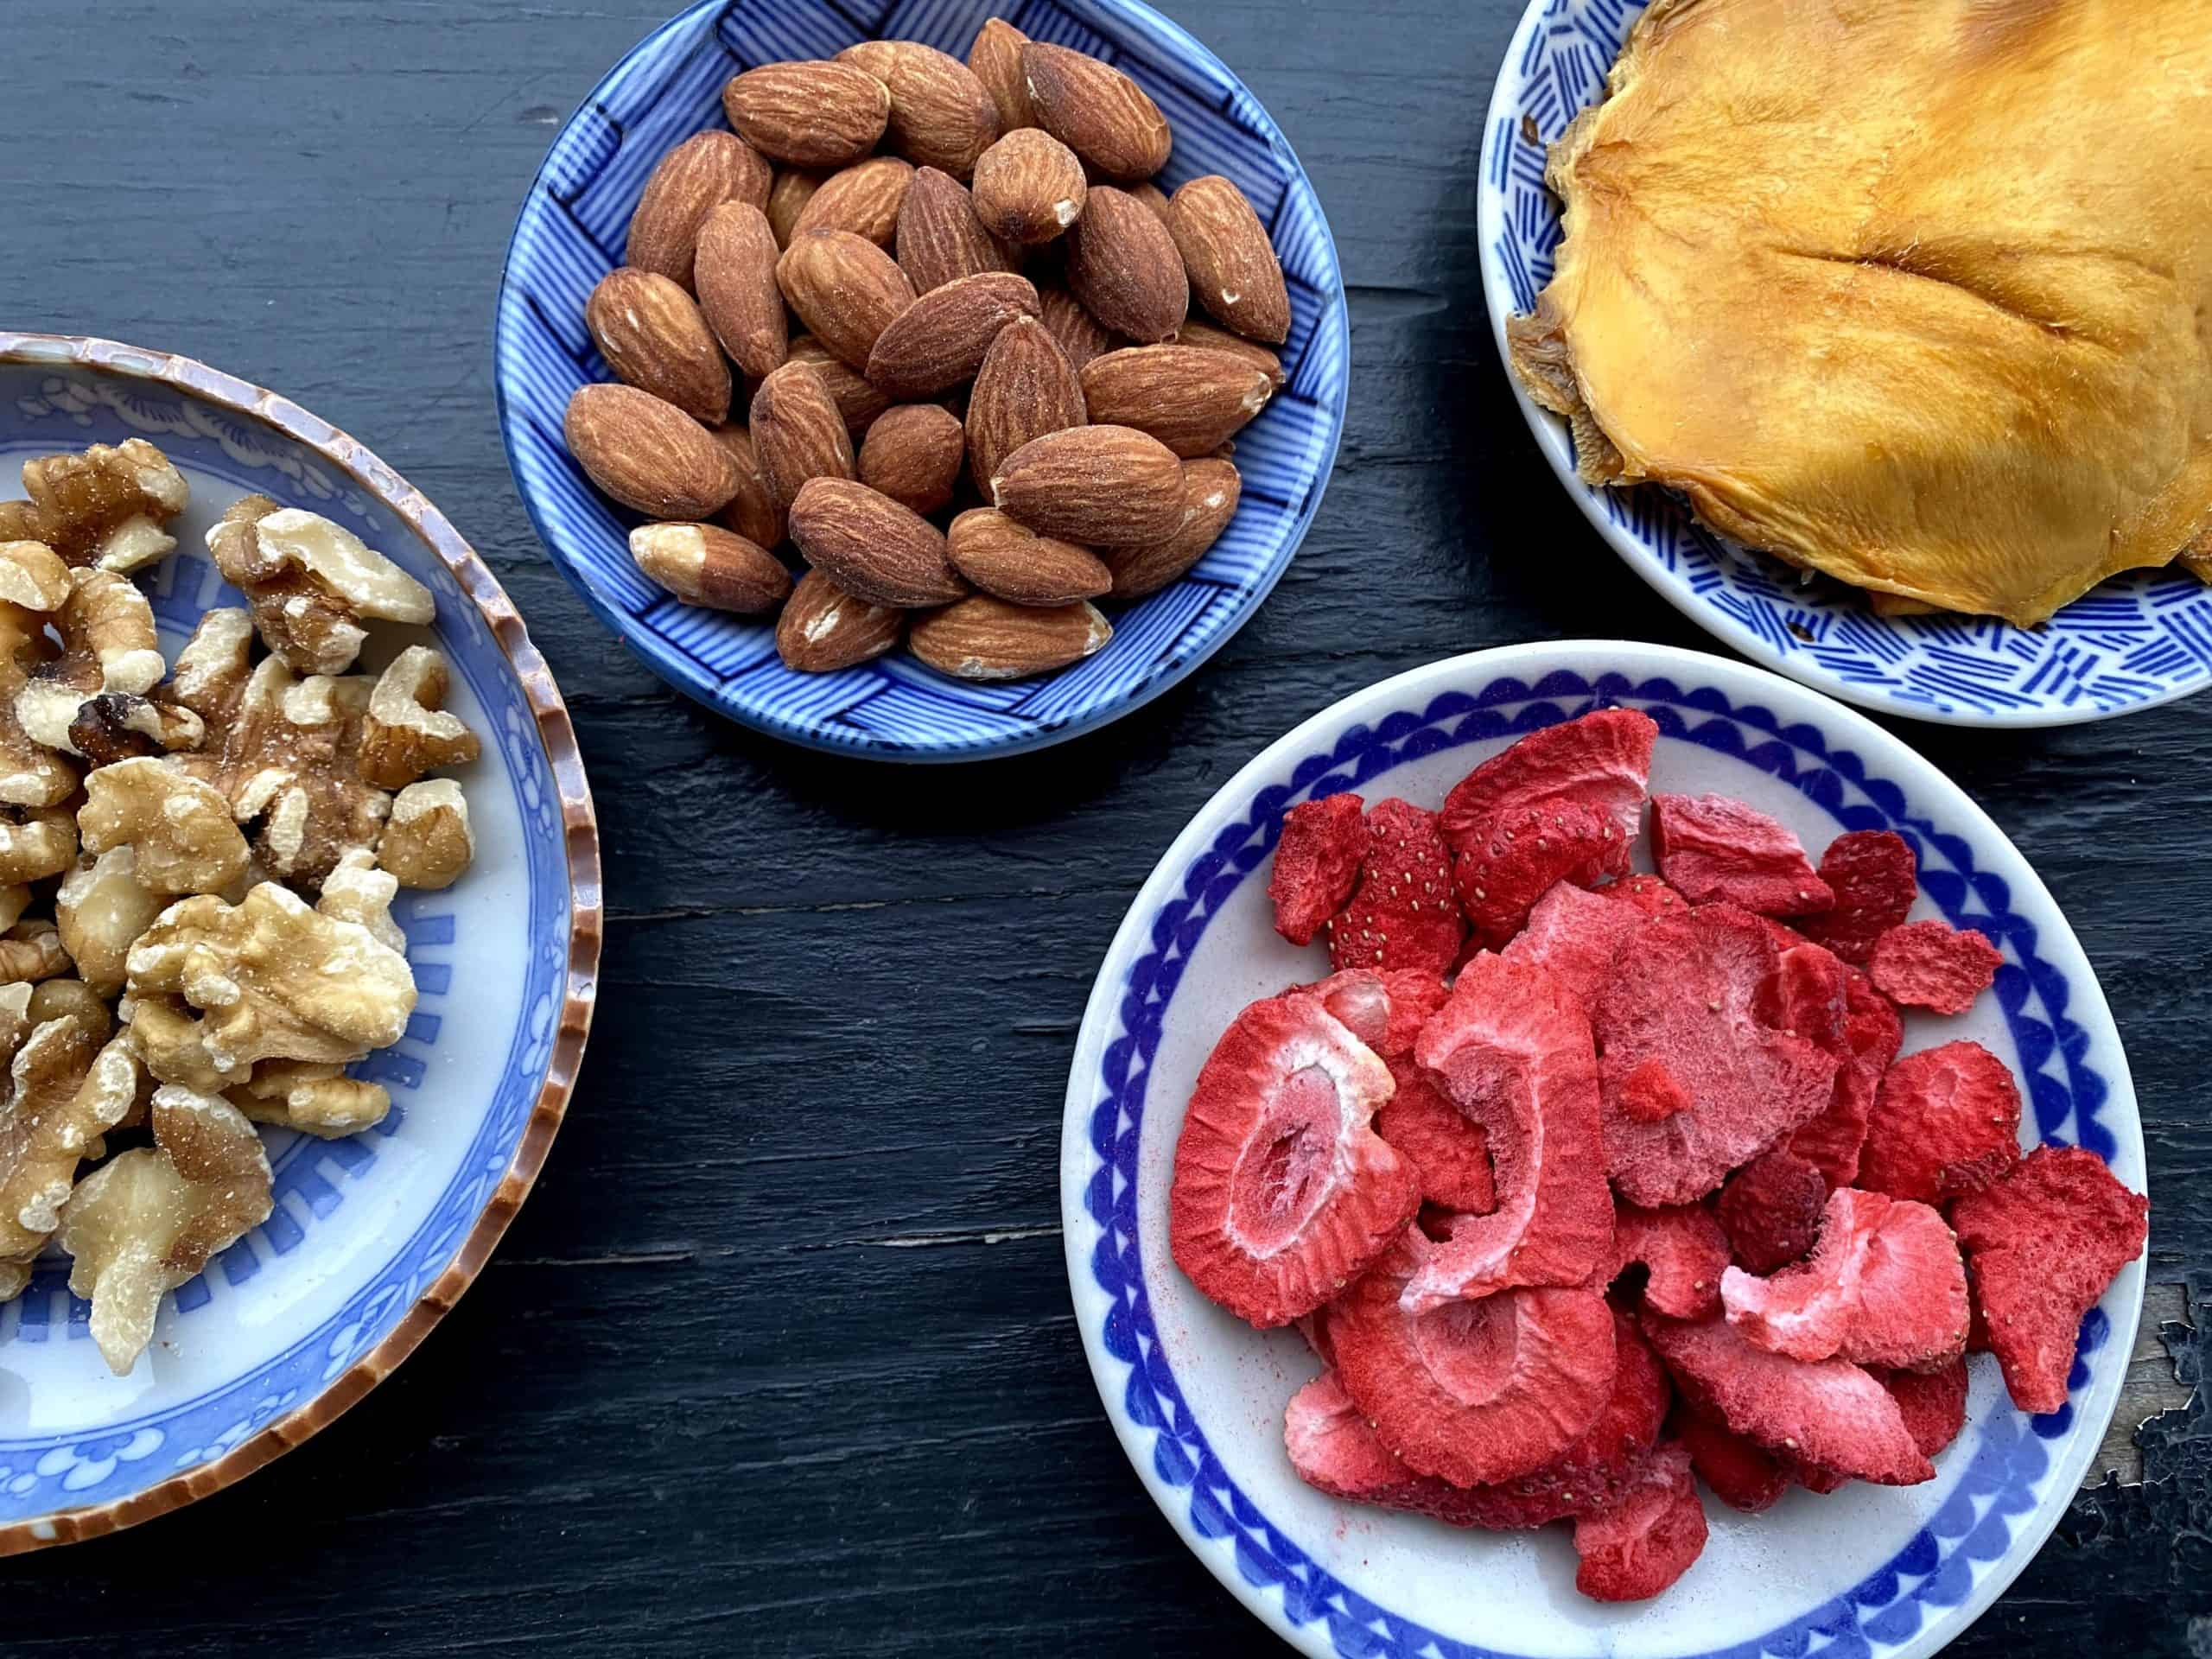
(1317,864)
(1574,935)
(1684,1251)
(1283,1194)
(1946,1122)
(1513,1054)
(1828,1411)
(1403,914)
(1713,850)
(1474,1392)
(1649,1092)
(1934,1403)
(1449,1149)
(1333,1450)
(1740,1472)
(1684,992)
(1884,1286)
(1646,1538)
(1519,856)
(1807,995)
(1933,965)
(1770,1209)
(1314,1327)
(1874,878)
(1872,1034)
(1385,1011)
(1813,1478)
(2044,1244)
(1648,894)
(1601,760)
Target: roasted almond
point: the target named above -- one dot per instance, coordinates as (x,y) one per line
(1096,486)
(870,545)
(940,238)
(810,113)
(653,338)
(824,628)
(857,401)
(912,454)
(690,181)
(995,59)
(1195,333)
(705,564)
(648,454)
(754,512)
(1211,489)
(1191,399)
(1153,197)
(940,115)
(938,341)
(787,198)
(863,198)
(736,275)
(1124,267)
(797,432)
(845,289)
(1024,388)
(985,638)
(1028,187)
(1095,111)
(1004,557)
(1081,335)
(1232,265)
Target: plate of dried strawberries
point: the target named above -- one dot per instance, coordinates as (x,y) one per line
(1595,1149)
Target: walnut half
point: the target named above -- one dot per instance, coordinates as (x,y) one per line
(179,829)
(311,582)
(105,507)
(64,1091)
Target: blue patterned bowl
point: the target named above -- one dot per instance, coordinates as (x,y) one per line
(374,1237)
(2131,643)
(1196,1396)
(572,232)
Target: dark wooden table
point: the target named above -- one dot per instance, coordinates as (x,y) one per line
(779,1359)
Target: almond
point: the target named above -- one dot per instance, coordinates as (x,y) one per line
(825,628)
(863,198)
(940,115)
(1191,399)
(1194,333)
(787,198)
(736,275)
(1014,562)
(1081,335)
(1155,198)
(1024,388)
(811,114)
(845,289)
(871,546)
(1211,489)
(1232,265)
(995,59)
(912,454)
(1095,111)
(754,512)
(1124,267)
(938,341)
(692,181)
(797,432)
(1028,187)
(857,401)
(648,454)
(940,238)
(704,564)
(653,338)
(986,638)
(1098,485)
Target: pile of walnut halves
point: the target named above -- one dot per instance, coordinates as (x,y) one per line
(196,869)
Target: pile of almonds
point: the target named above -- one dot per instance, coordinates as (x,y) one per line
(979,400)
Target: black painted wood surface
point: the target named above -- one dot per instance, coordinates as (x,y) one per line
(778,1360)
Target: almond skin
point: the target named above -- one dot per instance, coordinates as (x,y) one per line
(1081,335)
(1014,562)
(912,454)
(648,454)
(1024,388)
(754,512)
(1211,489)
(1191,399)
(1195,333)
(1029,187)
(692,181)
(985,638)
(811,114)
(824,628)
(797,432)
(1232,266)
(941,116)
(863,198)
(940,238)
(860,402)
(705,564)
(736,275)
(1095,486)
(871,546)
(1095,111)
(995,59)
(654,339)
(1153,197)
(939,341)
(845,289)
(787,198)
(1124,267)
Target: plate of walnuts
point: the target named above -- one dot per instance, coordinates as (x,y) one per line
(283,788)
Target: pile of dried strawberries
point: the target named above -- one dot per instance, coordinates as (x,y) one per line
(1585,1183)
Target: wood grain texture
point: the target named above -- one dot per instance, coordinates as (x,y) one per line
(778,1361)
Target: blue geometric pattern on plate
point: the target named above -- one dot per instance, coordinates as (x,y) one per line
(2132,642)
(572,230)
(1935,1569)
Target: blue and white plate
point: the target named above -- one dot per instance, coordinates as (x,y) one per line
(2130,643)
(1196,1396)
(373,1237)
(572,232)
